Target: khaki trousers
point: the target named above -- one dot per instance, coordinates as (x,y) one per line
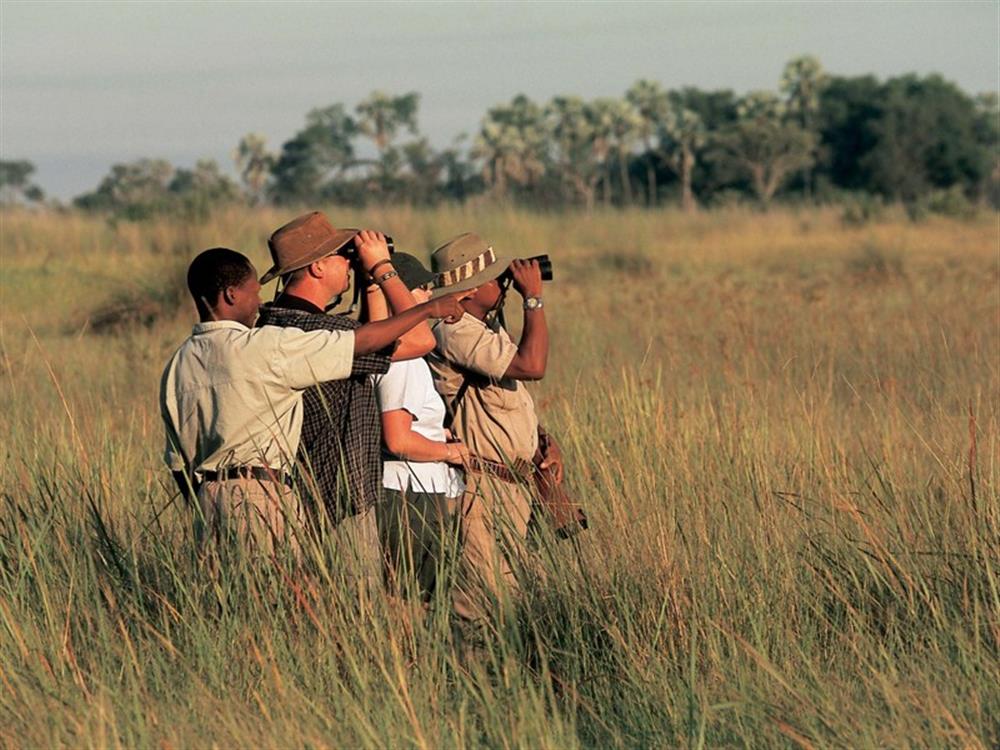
(355,543)
(493,529)
(264,517)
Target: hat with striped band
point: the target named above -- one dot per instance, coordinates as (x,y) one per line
(465,262)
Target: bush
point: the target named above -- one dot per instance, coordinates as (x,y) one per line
(862,208)
(873,263)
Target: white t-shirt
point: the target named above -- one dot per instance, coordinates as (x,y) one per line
(408,385)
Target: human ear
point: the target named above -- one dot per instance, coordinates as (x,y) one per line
(229,295)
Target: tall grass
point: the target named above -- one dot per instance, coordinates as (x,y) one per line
(784,429)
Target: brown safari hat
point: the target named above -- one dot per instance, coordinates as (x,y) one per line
(301,241)
(465,262)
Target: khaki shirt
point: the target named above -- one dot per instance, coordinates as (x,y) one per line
(232,395)
(496,417)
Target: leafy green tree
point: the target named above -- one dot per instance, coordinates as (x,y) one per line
(197,191)
(320,152)
(16,184)
(134,191)
(254,163)
(926,138)
(848,108)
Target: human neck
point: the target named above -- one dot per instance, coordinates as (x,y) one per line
(476,311)
(214,316)
(310,292)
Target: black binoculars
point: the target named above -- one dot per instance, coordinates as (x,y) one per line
(350,250)
(544,264)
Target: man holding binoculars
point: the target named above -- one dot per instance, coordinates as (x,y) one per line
(480,373)
(340,447)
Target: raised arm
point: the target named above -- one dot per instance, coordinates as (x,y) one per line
(533,349)
(371,337)
(374,253)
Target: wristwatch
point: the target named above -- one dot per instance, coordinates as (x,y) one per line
(533,303)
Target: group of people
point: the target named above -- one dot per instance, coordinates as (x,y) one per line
(400,438)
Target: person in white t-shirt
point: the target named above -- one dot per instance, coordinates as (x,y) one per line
(421,477)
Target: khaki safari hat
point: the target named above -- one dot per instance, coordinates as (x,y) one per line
(301,241)
(465,262)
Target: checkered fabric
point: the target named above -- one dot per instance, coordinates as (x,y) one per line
(339,458)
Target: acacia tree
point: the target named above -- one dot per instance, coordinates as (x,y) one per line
(15,182)
(254,163)
(763,146)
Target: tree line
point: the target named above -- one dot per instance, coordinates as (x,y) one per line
(817,137)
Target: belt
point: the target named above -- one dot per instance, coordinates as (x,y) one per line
(262,473)
(517,473)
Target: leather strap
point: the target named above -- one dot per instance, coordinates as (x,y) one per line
(261,473)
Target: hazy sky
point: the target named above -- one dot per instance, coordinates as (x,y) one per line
(86,84)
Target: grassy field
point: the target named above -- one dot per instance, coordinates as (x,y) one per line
(785,432)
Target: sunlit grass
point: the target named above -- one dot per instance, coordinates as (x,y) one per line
(785,432)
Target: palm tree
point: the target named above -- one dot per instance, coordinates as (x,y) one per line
(802,82)
(254,163)
(512,145)
(380,117)
(625,133)
(601,116)
(681,136)
(653,106)
(570,130)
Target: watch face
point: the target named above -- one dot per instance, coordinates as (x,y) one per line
(532,303)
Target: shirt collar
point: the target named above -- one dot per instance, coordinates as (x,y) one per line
(215,325)
(292,302)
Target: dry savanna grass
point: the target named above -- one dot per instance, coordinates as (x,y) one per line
(784,429)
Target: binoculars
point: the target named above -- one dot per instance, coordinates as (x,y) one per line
(544,264)
(350,252)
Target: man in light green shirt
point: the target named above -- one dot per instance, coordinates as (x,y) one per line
(231,395)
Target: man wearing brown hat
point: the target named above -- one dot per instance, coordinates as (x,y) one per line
(340,448)
(480,372)
(231,399)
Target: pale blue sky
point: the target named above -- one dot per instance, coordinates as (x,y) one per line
(86,84)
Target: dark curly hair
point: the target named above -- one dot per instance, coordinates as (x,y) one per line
(213,271)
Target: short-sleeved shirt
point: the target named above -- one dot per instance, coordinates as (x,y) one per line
(409,386)
(232,395)
(496,416)
(340,452)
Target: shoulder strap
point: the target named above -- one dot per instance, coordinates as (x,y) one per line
(496,312)
(449,417)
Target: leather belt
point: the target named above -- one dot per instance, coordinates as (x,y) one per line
(262,473)
(518,473)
